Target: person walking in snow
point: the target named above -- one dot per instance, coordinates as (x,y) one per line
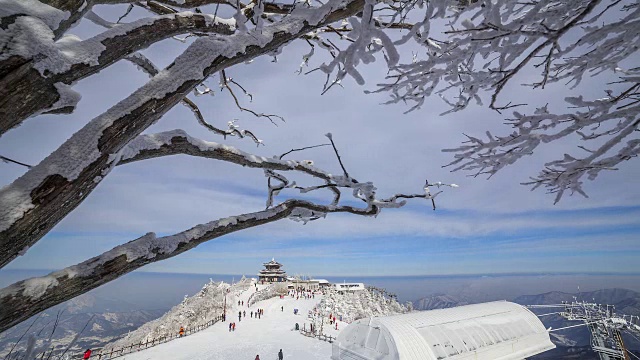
(230,325)
(280,356)
(234,327)
(181,332)
(252,314)
(282,308)
(244,313)
(239,315)
(87,354)
(257,357)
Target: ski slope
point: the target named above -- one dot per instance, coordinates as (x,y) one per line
(264,336)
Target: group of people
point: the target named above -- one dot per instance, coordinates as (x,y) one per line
(332,320)
(258,314)
(305,294)
(280,356)
(241,314)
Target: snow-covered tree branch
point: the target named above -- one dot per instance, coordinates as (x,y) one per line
(36,201)
(34,86)
(488,45)
(28,297)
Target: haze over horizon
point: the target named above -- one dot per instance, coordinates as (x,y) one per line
(153,290)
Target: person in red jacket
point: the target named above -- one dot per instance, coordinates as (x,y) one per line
(87,354)
(257,357)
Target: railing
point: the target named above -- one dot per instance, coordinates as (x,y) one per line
(322,337)
(106,354)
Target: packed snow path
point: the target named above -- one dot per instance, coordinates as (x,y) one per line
(264,336)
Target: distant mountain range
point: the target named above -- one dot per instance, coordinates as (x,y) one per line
(571,343)
(439,301)
(105,320)
(625,301)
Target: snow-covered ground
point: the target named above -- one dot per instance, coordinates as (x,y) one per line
(264,336)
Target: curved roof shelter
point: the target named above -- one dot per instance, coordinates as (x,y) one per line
(497,330)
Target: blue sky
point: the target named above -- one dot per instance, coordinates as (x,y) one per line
(485,226)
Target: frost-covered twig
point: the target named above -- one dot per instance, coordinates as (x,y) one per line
(148,67)
(613,117)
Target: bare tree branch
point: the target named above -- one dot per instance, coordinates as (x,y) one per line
(330,137)
(225,82)
(6,159)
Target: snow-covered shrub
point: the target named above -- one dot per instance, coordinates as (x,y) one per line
(359,304)
(275,289)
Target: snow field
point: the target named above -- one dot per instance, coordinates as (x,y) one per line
(264,336)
